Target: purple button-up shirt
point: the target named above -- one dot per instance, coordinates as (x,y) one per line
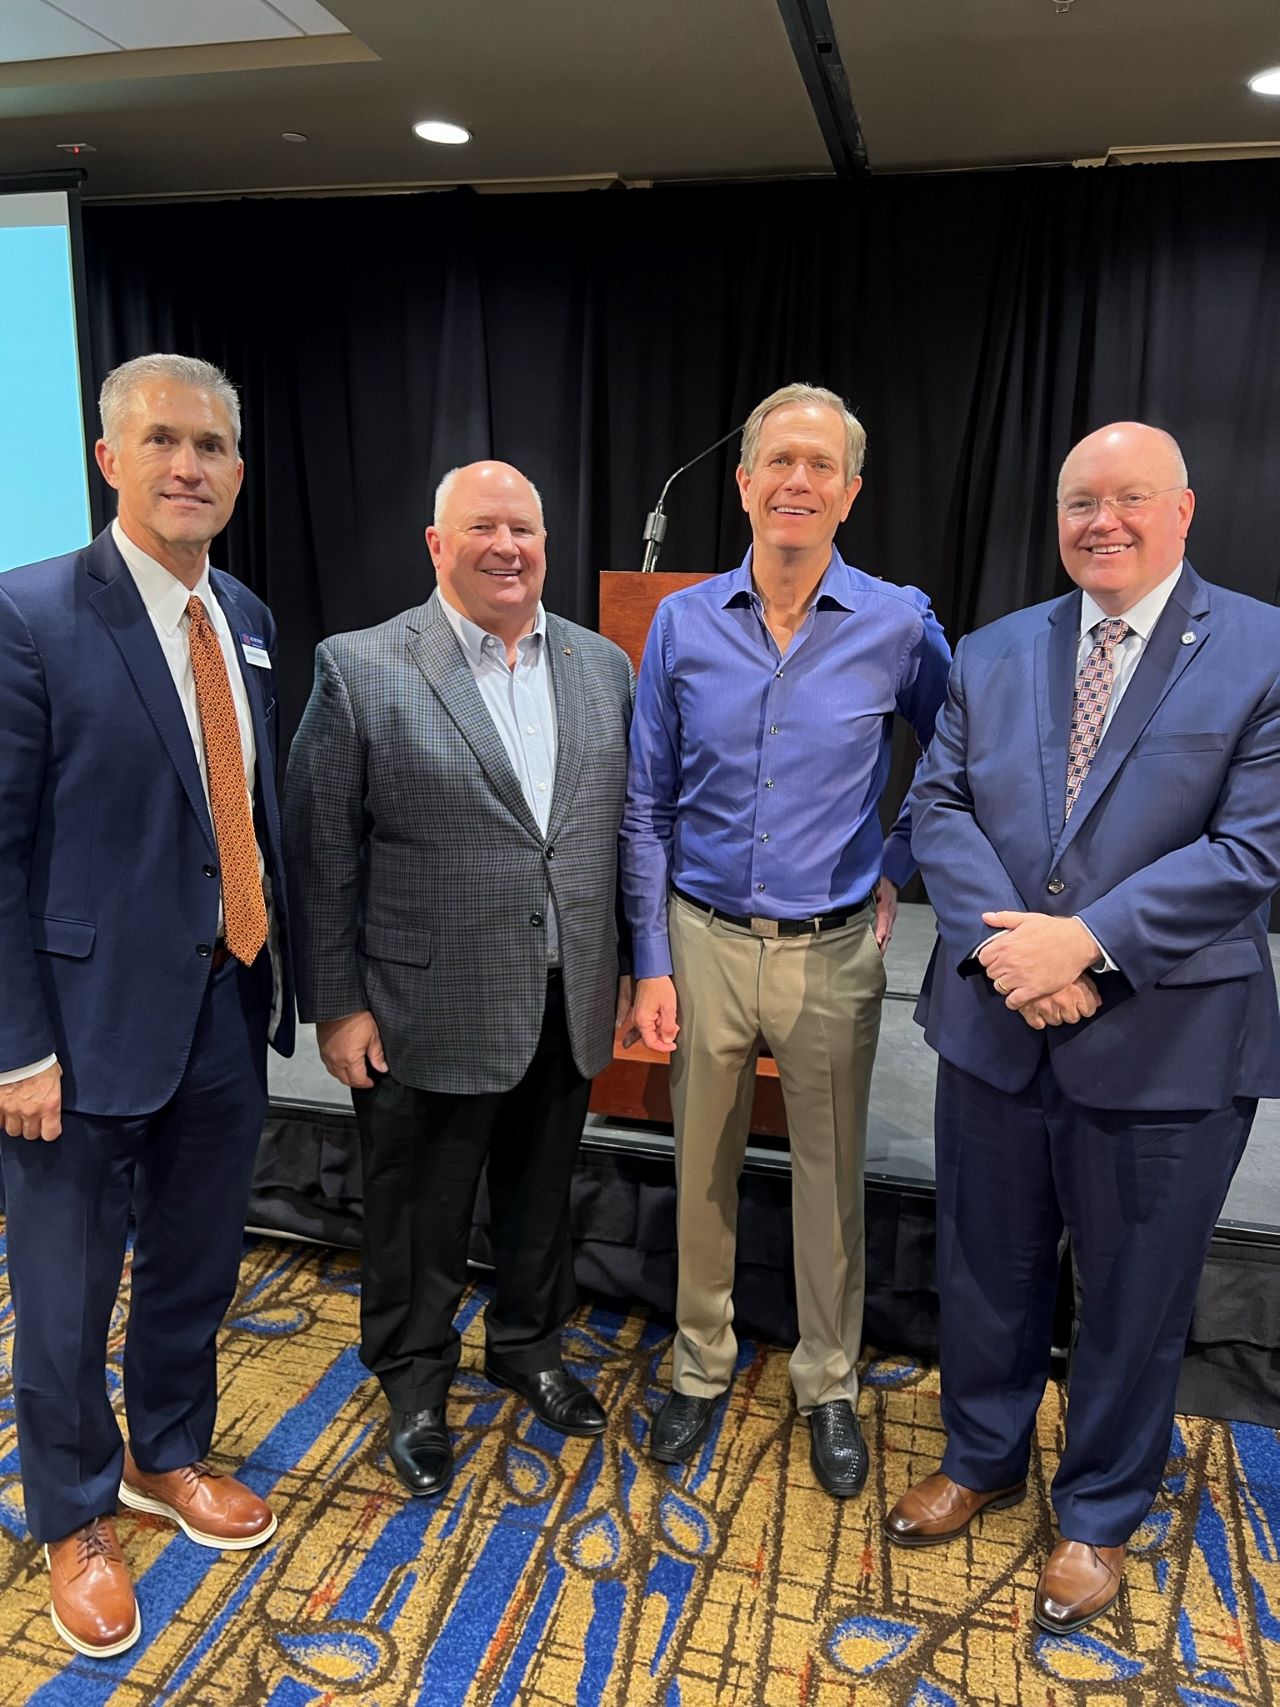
(756,775)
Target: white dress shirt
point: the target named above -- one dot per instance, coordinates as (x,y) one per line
(1125,657)
(165,598)
(521,703)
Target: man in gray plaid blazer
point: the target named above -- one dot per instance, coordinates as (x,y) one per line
(451,820)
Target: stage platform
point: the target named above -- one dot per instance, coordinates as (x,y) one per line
(900,1130)
(308,1186)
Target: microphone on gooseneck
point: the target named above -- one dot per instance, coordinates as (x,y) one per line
(655,526)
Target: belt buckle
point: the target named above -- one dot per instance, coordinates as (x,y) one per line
(764,927)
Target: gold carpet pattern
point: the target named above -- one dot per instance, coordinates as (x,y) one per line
(572,1573)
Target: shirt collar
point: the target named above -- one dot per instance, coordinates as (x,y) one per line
(1141,617)
(835,587)
(471,637)
(162,593)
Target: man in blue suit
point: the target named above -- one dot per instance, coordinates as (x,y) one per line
(142,935)
(1098,822)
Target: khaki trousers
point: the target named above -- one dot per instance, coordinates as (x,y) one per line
(815,1001)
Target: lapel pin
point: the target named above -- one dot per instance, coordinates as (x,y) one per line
(1188,638)
(568,651)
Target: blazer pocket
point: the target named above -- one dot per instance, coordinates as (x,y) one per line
(390,942)
(70,937)
(1238,958)
(1203,741)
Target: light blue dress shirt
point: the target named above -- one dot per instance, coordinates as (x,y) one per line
(521,702)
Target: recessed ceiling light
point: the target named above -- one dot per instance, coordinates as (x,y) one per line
(1266,82)
(438,130)
(292,136)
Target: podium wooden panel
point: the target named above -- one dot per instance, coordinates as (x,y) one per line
(628,600)
(634,1084)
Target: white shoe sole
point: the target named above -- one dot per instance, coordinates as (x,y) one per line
(224,1544)
(86,1648)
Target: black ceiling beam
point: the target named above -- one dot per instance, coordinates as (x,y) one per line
(813,42)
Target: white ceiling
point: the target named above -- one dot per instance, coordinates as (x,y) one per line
(41,29)
(174,104)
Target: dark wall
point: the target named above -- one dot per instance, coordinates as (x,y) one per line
(979,323)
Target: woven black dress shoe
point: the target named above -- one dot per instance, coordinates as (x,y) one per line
(557,1398)
(837,1450)
(418,1446)
(680,1427)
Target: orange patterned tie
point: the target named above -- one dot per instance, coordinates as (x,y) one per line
(244,910)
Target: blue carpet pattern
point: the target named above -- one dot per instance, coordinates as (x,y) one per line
(577,1574)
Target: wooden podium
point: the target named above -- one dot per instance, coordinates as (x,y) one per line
(628,600)
(634,1084)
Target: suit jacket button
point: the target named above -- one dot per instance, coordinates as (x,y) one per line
(1055,886)
(536,919)
(209,870)
(204,948)
(550,853)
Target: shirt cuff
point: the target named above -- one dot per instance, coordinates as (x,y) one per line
(651,957)
(12,1074)
(1104,962)
(896,862)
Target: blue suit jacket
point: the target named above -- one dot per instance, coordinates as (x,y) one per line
(107,857)
(1170,855)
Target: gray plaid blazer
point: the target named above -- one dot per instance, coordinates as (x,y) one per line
(420,882)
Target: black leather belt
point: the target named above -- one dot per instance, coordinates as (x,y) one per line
(221,953)
(812,926)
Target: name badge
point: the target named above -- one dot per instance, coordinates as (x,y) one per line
(255,651)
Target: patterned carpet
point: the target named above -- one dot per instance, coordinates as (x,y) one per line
(575,1572)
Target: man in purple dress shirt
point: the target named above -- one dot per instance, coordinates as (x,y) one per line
(761,895)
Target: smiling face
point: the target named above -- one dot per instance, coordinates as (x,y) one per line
(489,548)
(177,473)
(796,493)
(1119,558)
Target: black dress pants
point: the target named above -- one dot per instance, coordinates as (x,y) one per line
(422,1154)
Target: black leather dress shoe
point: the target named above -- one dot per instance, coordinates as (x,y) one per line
(680,1427)
(837,1450)
(418,1446)
(557,1398)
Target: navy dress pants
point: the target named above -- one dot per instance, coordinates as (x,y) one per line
(185,1172)
(1139,1193)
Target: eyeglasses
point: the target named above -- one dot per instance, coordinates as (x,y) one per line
(1123,504)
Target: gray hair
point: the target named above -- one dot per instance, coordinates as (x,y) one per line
(855,435)
(445,488)
(116,396)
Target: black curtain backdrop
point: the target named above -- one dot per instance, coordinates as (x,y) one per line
(979,323)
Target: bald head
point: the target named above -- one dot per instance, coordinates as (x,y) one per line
(482,474)
(489,548)
(1129,438)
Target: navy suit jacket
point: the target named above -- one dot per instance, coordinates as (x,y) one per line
(1170,855)
(108,873)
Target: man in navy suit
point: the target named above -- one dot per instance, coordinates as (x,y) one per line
(142,935)
(1098,822)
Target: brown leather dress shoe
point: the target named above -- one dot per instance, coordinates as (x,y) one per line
(213,1509)
(1077,1583)
(939,1509)
(92,1602)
